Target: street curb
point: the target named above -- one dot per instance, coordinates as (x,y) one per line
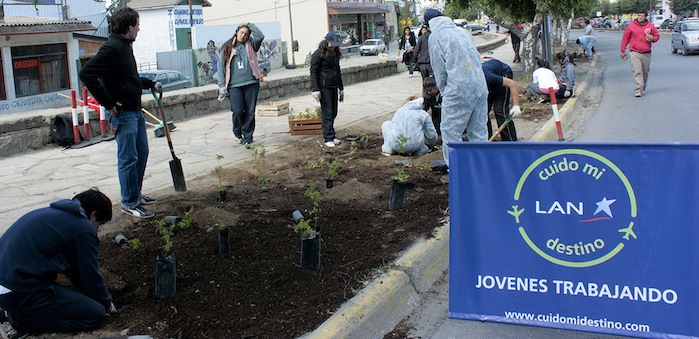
(549,131)
(425,261)
(373,311)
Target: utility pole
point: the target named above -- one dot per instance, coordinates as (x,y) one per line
(291,29)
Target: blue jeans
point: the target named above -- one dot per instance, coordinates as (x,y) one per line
(52,309)
(132,154)
(243,102)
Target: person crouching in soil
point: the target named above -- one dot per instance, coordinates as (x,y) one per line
(410,132)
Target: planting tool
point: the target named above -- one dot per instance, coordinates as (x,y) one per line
(175,163)
(159,130)
(502,127)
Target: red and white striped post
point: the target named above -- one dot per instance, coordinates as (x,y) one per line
(86,115)
(74,116)
(103,121)
(554,107)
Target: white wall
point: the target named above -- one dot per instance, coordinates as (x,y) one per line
(154,36)
(309,17)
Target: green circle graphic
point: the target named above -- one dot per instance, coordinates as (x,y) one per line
(632,201)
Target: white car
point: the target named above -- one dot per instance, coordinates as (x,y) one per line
(372,47)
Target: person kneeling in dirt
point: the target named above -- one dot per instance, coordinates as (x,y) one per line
(410,132)
(61,238)
(432,102)
(543,78)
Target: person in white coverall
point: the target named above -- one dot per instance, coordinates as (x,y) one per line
(411,128)
(457,70)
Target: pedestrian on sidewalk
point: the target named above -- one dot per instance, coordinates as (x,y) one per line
(112,78)
(516,43)
(407,43)
(240,79)
(421,55)
(639,35)
(457,71)
(326,84)
(498,76)
(544,78)
(410,132)
(59,239)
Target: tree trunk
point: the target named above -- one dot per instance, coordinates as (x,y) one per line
(528,40)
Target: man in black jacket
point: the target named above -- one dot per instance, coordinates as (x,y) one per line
(112,78)
(41,244)
(421,56)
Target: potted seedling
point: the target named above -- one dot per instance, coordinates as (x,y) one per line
(398,187)
(165,275)
(220,188)
(331,170)
(223,238)
(310,232)
(259,155)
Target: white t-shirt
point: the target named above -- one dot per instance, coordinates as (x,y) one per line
(545,78)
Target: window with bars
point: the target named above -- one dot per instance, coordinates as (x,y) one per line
(40,69)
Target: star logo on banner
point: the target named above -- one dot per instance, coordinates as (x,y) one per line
(603,206)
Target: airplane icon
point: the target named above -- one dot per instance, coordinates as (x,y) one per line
(516,212)
(628,231)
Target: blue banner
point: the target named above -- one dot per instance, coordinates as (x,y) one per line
(582,236)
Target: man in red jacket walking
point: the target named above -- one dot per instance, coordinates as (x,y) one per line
(639,36)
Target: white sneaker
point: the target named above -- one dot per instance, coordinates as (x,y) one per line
(337,141)
(329,144)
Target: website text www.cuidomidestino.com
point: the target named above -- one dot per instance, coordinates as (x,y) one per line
(578,320)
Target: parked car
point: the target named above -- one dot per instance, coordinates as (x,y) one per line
(171,80)
(475,27)
(372,47)
(685,36)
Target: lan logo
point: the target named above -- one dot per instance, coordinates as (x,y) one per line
(574,208)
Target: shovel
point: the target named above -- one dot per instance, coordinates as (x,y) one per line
(502,127)
(175,163)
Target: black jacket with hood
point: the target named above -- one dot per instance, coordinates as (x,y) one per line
(111,75)
(325,71)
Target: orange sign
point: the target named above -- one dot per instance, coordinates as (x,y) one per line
(29,63)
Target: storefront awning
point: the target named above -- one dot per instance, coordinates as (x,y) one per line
(15,25)
(335,10)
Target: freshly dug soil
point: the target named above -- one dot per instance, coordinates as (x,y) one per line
(258,289)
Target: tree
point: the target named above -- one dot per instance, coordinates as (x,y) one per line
(683,6)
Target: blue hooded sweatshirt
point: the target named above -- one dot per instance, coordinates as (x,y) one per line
(48,241)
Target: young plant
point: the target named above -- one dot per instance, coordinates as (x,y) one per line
(166,231)
(259,155)
(186,221)
(219,169)
(332,167)
(353,148)
(401,140)
(304,227)
(401,176)
(220,225)
(134,243)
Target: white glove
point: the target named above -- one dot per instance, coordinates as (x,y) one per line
(222,93)
(566,94)
(341,96)
(112,309)
(515,111)
(316,95)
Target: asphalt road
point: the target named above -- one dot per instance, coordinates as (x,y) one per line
(666,113)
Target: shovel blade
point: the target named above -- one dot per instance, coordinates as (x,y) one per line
(177,175)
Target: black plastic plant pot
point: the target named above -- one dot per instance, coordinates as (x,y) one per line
(310,251)
(398,188)
(222,196)
(223,241)
(328,183)
(165,276)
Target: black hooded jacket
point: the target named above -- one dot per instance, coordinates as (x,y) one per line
(111,75)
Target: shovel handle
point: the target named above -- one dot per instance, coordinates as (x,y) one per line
(159,101)
(502,127)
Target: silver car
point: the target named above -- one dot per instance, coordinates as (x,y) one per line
(171,80)
(685,36)
(372,47)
